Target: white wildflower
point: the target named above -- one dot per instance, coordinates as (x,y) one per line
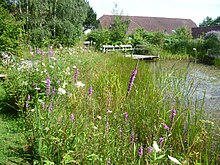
(53,58)
(79,84)
(99,117)
(61,91)
(174,160)
(194,49)
(74,67)
(156,147)
(51,66)
(37,88)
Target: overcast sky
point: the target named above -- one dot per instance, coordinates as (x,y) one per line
(195,10)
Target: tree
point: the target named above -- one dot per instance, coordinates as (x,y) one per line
(10,31)
(119,27)
(59,20)
(208,21)
(216,21)
(91,21)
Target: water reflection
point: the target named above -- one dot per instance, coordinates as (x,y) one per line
(206,78)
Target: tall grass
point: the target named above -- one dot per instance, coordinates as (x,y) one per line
(86,116)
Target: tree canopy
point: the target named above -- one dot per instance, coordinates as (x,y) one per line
(208,21)
(52,21)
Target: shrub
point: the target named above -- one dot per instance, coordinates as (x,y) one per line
(10,31)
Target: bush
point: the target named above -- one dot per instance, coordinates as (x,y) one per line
(212,40)
(10,31)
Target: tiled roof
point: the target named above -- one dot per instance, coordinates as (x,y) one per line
(149,23)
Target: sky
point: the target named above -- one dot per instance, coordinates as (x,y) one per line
(196,10)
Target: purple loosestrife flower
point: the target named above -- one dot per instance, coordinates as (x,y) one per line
(131,81)
(90,91)
(140,151)
(58,82)
(132,138)
(38,51)
(166,127)
(51,107)
(76,75)
(149,150)
(161,141)
(108,161)
(173,116)
(48,85)
(29,98)
(126,115)
(50,53)
(72,117)
(53,91)
(26,105)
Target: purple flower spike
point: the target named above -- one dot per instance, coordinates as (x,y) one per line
(76,75)
(29,97)
(71,116)
(126,115)
(140,151)
(166,127)
(131,81)
(161,141)
(50,53)
(132,138)
(51,107)
(109,161)
(26,105)
(53,91)
(173,116)
(58,82)
(150,150)
(48,85)
(90,91)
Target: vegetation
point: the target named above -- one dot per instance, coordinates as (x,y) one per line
(76,113)
(72,112)
(10,31)
(209,21)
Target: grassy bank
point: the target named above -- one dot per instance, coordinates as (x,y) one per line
(82,107)
(12,139)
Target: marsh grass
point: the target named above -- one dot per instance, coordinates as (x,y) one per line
(74,127)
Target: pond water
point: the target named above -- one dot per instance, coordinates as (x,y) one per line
(206,79)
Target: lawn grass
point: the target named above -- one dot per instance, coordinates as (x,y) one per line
(12,139)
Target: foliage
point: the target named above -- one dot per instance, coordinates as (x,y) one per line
(212,40)
(208,21)
(91,21)
(60,20)
(118,30)
(10,31)
(100,37)
(76,113)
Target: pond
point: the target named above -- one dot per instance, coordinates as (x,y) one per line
(206,80)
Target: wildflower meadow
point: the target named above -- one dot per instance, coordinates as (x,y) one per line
(79,106)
